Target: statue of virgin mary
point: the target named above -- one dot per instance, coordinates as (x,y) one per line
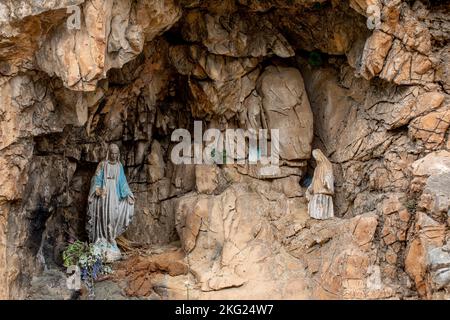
(111,205)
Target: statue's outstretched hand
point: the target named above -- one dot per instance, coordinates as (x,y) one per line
(98,192)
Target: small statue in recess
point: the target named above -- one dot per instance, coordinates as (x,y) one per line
(320,192)
(111,205)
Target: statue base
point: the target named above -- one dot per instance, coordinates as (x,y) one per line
(110,251)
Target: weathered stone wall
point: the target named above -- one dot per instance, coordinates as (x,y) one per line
(375,101)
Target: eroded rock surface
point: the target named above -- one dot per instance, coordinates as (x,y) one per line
(372,94)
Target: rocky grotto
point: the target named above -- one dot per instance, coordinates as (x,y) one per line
(365,81)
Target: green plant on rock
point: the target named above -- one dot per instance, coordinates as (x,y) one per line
(88,258)
(73,252)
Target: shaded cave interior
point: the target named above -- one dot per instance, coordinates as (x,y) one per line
(61,217)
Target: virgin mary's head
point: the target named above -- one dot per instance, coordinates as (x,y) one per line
(320,158)
(317,154)
(113,152)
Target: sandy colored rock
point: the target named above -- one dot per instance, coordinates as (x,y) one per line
(396,220)
(435,198)
(139,272)
(156,163)
(409,105)
(439,259)
(236,222)
(375,100)
(434,163)
(430,235)
(198,62)
(206,177)
(52,285)
(108,38)
(431,128)
(239,37)
(375,52)
(208,98)
(287,109)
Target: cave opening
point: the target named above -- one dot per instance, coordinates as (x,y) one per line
(315,71)
(138,107)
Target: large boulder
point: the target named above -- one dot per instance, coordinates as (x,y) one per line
(286,108)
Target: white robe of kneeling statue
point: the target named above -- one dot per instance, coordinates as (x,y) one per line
(320,192)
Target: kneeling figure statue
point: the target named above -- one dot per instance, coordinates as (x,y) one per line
(320,192)
(111,205)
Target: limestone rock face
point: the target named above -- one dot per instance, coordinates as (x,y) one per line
(230,243)
(111,34)
(400,50)
(365,81)
(430,236)
(439,260)
(426,260)
(57,290)
(286,107)
(236,35)
(352,270)
(17,10)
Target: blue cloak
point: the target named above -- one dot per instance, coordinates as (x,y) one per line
(98,181)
